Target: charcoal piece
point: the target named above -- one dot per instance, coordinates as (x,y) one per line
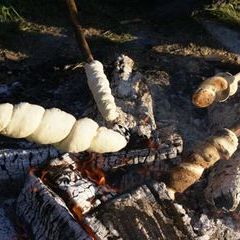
(15,164)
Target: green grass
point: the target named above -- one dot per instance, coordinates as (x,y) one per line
(38,11)
(228,13)
(9,14)
(20,16)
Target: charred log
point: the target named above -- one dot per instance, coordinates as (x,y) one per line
(65,177)
(133,96)
(45,213)
(15,164)
(223,190)
(47,216)
(146,212)
(149,151)
(141,214)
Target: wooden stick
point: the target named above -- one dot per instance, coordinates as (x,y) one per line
(82,42)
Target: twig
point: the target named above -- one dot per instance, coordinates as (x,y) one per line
(82,42)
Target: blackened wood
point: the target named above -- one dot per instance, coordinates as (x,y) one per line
(45,214)
(15,164)
(64,176)
(145,213)
(164,148)
(223,190)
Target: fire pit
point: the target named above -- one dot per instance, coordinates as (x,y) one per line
(146,189)
(122,195)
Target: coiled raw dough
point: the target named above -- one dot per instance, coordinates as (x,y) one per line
(99,86)
(53,126)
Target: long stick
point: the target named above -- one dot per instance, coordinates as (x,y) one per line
(82,42)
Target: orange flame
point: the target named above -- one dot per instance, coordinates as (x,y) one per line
(77,211)
(88,170)
(96,175)
(78,214)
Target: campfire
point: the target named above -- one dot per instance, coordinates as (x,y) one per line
(89,195)
(117,173)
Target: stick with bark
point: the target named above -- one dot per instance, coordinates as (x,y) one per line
(97,80)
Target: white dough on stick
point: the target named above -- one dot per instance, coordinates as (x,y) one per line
(54,127)
(80,137)
(6,110)
(25,119)
(107,140)
(99,86)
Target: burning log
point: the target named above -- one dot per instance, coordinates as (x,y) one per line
(147,151)
(88,209)
(65,176)
(15,164)
(222,145)
(45,214)
(223,189)
(216,89)
(36,201)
